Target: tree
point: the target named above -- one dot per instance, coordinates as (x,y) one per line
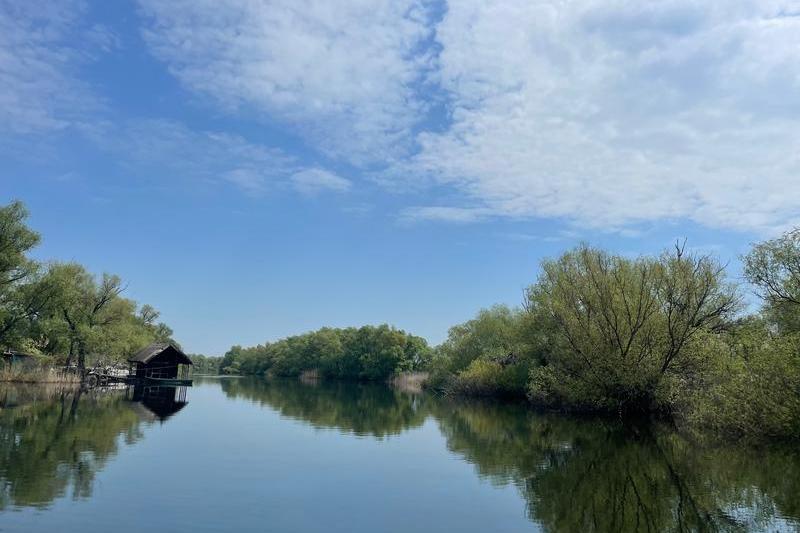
(88,308)
(490,355)
(620,326)
(64,309)
(226,365)
(22,294)
(204,364)
(16,240)
(774,268)
(495,332)
(368,353)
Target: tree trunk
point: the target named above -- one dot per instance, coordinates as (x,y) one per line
(81,356)
(71,352)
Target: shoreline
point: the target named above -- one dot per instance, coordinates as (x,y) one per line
(42,375)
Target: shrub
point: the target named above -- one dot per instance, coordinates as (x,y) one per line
(484,377)
(754,392)
(619,329)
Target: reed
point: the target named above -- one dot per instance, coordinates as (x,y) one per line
(310,377)
(409,381)
(38,375)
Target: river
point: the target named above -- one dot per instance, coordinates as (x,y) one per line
(233,454)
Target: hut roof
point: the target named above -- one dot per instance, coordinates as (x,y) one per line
(145,355)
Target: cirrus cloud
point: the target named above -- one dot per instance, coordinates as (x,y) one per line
(42,48)
(315,180)
(604,114)
(613,113)
(343,74)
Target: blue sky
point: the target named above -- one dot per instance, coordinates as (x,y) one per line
(255,169)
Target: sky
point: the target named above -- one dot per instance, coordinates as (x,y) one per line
(256,169)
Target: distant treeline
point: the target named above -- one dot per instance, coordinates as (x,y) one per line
(205,365)
(366,353)
(60,312)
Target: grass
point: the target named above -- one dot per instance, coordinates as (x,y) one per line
(37,375)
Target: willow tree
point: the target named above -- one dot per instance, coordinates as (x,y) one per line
(774,268)
(495,333)
(618,327)
(22,294)
(86,308)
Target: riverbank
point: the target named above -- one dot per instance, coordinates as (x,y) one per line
(38,375)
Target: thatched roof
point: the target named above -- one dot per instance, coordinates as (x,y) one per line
(147,354)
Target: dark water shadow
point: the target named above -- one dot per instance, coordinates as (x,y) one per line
(54,440)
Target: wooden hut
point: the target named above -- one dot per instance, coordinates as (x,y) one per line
(161,362)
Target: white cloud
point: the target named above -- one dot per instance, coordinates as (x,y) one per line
(40,54)
(612,113)
(166,149)
(340,72)
(602,113)
(315,180)
(445,213)
(249,180)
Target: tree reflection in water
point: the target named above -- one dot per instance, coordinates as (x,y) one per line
(362,409)
(600,475)
(575,474)
(54,440)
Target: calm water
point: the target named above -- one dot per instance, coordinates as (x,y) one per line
(244,455)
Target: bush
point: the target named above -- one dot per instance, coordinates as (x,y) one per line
(496,331)
(620,329)
(489,355)
(754,392)
(484,377)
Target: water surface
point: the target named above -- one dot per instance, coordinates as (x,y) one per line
(249,455)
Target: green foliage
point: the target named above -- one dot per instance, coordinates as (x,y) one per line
(64,312)
(21,296)
(367,353)
(55,442)
(491,354)
(774,268)
(494,333)
(206,365)
(655,334)
(484,377)
(753,391)
(621,328)
(364,409)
